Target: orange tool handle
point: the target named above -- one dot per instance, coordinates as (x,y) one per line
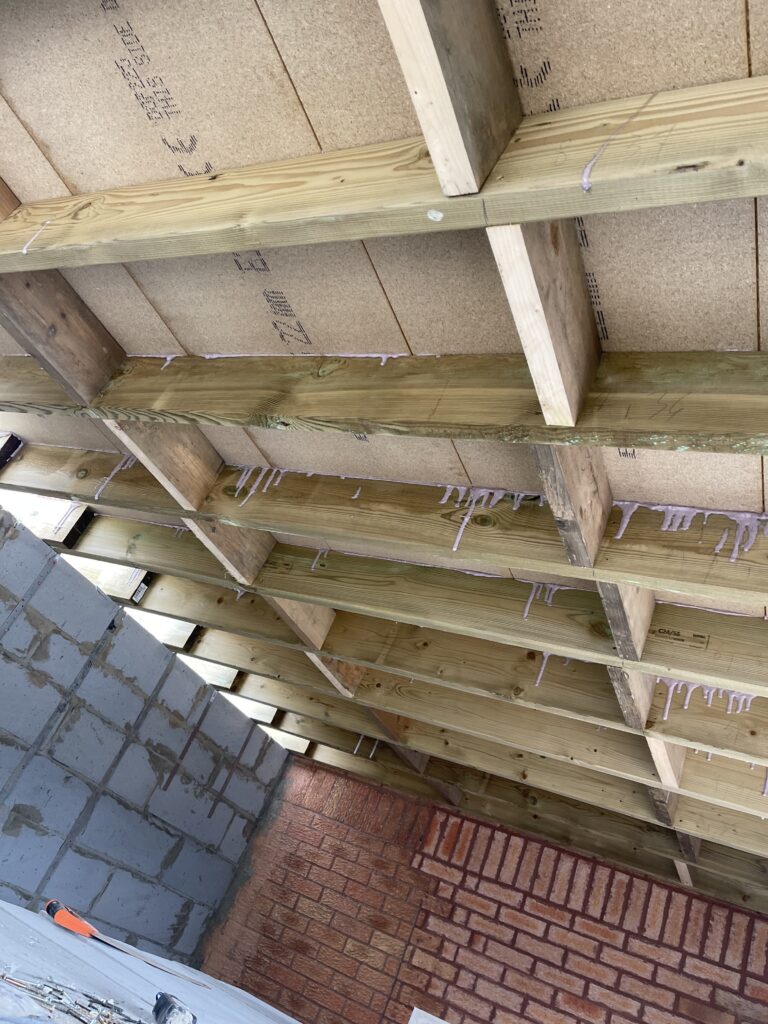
(66,918)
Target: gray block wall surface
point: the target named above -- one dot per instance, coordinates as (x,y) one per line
(129,788)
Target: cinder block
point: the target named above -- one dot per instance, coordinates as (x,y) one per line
(226,726)
(197,873)
(27,700)
(271,764)
(127,837)
(246,793)
(22,557)
(238,835)
(52,796)
(183,690)
(141,907)
(60,658)
(135,653)
(73,604)
(138,772)
(199,762)
(80,879)
(86,743)
(163,732)
(185,805)
(26,852)
(109,694)
(195,929)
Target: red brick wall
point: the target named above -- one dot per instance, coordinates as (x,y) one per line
(363,904)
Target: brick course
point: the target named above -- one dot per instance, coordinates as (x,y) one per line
(482,925)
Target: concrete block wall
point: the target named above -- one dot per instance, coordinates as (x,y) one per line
(128,787)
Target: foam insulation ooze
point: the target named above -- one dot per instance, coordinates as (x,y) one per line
(132,90)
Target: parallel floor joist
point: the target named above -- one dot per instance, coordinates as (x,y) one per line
(611,834)
(478,726)
(414,521)
(487,769)
(691,401)
(683,643)
(576,690)
(683,146)
(726,801)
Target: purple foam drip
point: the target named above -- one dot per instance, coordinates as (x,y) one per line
(765,784)
(544,659)
(485,497)
(738,701)
(318,556)
(680,517)
(125,463)
(547,589)
(63,518)
(356,495)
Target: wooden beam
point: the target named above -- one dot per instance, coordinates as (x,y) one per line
(461,83)
(629,611)
(44,314)
(681,401)
(683,643)
(310,622)
(576,486)
(576,690)
(617,155)
(407,521)
(8,201)
(342,674)
(634,692)
(543,277)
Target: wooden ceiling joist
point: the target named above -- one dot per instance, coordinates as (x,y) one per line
(683,643)
(687,401)
(655,142)
(49,320)
(411,521)
(733,875)
(576,690)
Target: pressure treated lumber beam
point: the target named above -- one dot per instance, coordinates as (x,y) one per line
(49,320)
(461,83)
(683,643)
(412,521)
(724,802)
(688,401)
(574,689)
(453,69)
(577,488)
(543,277)
(683,146)
(611,753)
